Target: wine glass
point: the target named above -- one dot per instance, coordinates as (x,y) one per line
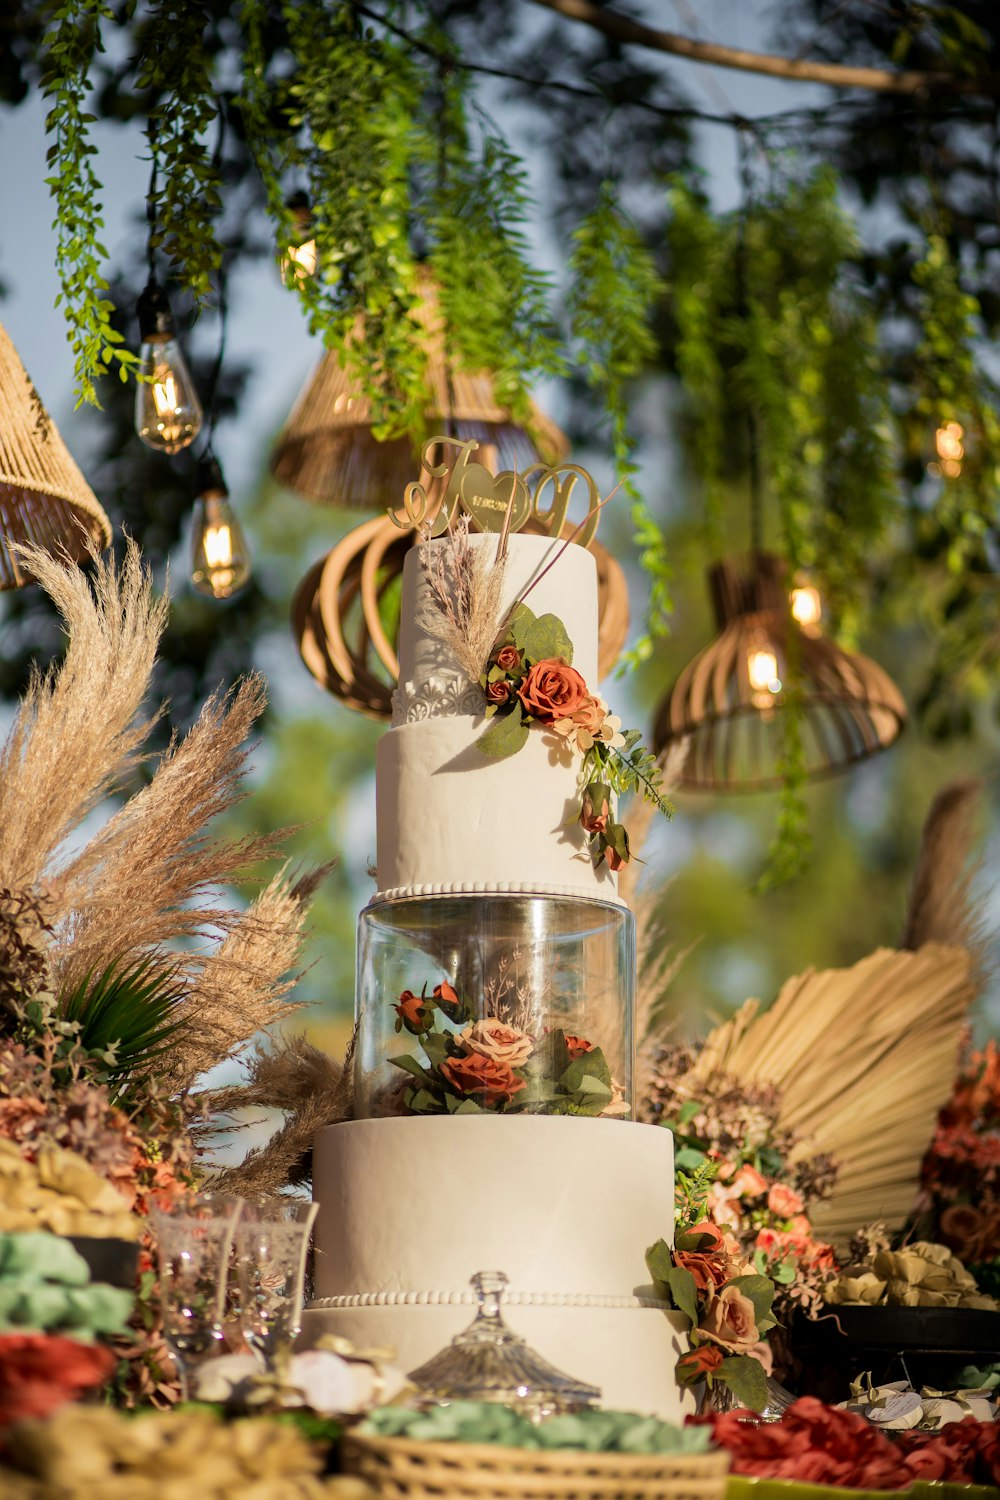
(194,1238)
(272,1238)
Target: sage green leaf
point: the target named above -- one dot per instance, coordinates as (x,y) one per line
(745,1377)
(547,639)
(684,1292)
(660,1262)
(688,1158)
(521,621)
(505,736)
(760,1290)
(411,1066)
(588,1065)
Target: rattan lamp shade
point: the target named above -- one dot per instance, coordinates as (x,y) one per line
(43,496)
(327,452)
(851,707)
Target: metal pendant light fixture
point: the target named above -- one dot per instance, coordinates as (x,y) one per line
(768,658)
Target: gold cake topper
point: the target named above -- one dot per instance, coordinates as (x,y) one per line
(540,494)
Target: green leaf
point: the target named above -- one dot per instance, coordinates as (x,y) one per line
(546,639)
(130,1010)
(505,736)
(521,620)
(759,1289)
(660,1262)
(411,1066)
(684,1292)
(591,1066)
(688,1158)
(745,1377)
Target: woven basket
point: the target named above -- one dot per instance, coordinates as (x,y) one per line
(43,496)
(400,1467)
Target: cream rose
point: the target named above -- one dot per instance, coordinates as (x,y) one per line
(730,1321)
(491,1037)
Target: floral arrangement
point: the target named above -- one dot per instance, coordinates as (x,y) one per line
(758,1189)
(529,680)
(45,1287)
(819,1444)
(960,1189)
(727,1302)
(40,1372)
(470,1065)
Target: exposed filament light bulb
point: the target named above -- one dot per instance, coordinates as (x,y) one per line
(301,258)
(167,410)
(220,557)
(807,607)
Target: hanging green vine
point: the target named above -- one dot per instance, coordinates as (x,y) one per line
(69,48)
(954,433)
(495,303)
(615,286)
(176,67)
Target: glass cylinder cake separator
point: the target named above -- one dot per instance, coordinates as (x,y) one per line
(536,963)
(489,1362)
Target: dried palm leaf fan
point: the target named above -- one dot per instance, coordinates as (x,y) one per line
(44,498)
(328,453)
(729,699)
(863,1058)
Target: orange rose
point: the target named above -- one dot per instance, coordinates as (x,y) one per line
(414,1013)
(709,1271)
(730,1321)
(698,1362)
(497,692)
(552,690)
(508,658)
(704,1238)
(965,1230)
(491,1038)
(596,809)
(748,1182)
(40,1372)
(784,1201)
(495,1082)
(576,1046)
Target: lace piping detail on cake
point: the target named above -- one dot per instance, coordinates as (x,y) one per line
(468,1299)
(500,888)
(441,696)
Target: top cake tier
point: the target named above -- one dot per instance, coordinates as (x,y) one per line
(451,818)
(568,589)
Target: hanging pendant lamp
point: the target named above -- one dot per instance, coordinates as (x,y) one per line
(43,496)
(729,699)
(327,452)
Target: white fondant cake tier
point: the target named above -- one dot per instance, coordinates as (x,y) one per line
(449,817)
(565,1206)
(629,1352)
(568,589)
(411,1208)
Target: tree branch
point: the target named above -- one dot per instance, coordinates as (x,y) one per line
(878,80)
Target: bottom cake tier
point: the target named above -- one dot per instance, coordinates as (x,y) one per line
(628,1351)
(411,1208)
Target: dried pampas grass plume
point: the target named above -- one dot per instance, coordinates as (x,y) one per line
(466,588)
(311,1089)
(242,986)
(146,885)
(941,908)
(76,735)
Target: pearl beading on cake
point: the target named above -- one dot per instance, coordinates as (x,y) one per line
(469,1299)
(497,888)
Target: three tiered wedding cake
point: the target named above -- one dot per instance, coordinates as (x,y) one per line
(496,974)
